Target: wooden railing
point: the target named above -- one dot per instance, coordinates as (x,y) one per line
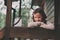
(31,32)
(22,32)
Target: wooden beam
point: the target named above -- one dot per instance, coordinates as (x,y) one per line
(57,19)
(8,20)
(33,33)
(5,1)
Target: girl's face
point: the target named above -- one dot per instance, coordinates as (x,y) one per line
(37,17)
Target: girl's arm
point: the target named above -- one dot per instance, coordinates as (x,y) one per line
(47,26)
(33,24)
(43,25)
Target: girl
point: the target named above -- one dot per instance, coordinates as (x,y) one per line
(39,19)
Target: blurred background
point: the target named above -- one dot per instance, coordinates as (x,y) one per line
(23,9)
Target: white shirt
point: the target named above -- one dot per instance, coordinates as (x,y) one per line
(43,25)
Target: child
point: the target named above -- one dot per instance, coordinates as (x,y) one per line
(39,19)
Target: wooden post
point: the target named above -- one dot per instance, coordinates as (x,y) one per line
(8,20)
(57,19)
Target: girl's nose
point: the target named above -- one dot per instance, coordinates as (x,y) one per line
(38,19)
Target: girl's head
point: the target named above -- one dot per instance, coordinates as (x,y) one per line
(39,15)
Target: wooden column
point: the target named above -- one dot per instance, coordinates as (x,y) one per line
(57,19)
(8,20)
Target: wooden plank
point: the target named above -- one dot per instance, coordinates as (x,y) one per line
(31,33)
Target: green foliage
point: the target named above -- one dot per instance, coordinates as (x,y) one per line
(2,20)
(25,15)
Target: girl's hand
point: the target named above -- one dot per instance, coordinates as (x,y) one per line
(34,24)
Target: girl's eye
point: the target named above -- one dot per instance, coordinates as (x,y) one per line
(40,17)
(35,17)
